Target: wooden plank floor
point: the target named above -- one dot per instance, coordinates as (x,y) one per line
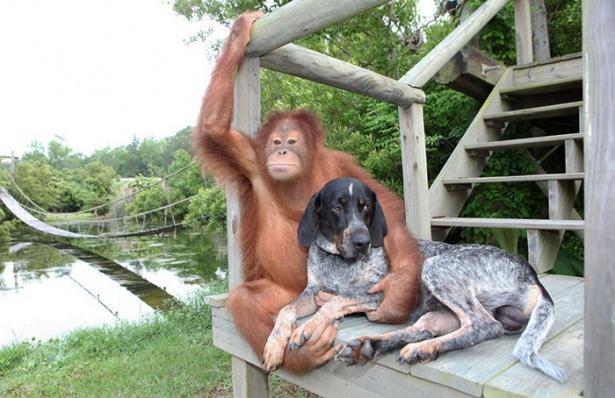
(487,369)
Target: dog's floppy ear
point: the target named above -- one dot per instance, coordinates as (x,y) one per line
(378,227)
(306,233)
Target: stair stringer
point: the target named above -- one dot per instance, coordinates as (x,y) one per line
(449,203)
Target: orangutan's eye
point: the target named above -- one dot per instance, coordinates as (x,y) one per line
(291,141)
(277,141)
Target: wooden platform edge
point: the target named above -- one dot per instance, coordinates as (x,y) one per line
(334,379)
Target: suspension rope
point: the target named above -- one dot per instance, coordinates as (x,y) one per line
(92,209)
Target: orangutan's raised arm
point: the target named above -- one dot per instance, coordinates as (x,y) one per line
(224,151)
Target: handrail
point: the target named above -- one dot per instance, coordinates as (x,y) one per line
(299,18)
(431,64)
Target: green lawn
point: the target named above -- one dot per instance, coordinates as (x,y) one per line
(163,356)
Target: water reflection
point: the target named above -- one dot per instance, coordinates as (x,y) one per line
(47,289)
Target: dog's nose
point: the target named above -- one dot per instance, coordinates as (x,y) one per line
(360,242)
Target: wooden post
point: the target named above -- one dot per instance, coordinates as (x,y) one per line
(13,162)
(523,32)
(540,32)
(249,381)
(599,84)
(414,165)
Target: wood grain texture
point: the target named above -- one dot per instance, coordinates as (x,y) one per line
(469,369)
(335,379)
(414,165)
(246,118)
(248,381)
(568,108)
(599,30)
(555,68)
(540,31)
(523,178)
(549,86)
(566,351)
(471,72)
(299,18)
(518,223)
(429,65)
(523,32)
(545,140)
(307,64)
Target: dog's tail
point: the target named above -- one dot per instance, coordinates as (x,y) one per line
(526,349)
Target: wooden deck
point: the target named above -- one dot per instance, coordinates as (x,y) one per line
(485,370)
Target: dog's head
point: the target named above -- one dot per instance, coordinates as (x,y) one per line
(346,213)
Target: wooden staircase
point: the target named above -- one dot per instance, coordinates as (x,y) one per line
(546,94)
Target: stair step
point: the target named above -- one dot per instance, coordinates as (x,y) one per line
(509,223)
(546,140)
(550,86)
(522,178)
(541,112)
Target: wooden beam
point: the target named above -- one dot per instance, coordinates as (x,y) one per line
(540,32)
(598,33)
(248,380)
(427,67)
(246,118)
(523,32)
(300,18)
(302,62)
(514,223)
(414,165)
(471,72)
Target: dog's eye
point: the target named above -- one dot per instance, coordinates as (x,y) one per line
(337,209)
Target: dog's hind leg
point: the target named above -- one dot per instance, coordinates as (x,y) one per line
(364,348)
(453,291)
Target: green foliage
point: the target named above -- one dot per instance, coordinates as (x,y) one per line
(185,183)
(170,355)
(148,199)
(208,209)
(40,182)
(564,21)
(64,190)
(5,228)
(149,157)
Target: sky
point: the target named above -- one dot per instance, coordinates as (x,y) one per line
(99,72)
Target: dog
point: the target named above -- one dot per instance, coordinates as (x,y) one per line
(469,293)
(344,228)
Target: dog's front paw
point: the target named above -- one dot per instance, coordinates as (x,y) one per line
(422,352)
(303,333)
(273,355)
(358,351)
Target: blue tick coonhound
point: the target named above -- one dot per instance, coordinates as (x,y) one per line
(469,293)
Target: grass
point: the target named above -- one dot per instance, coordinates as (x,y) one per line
(162,356)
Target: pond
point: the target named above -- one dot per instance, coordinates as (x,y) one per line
(48,288)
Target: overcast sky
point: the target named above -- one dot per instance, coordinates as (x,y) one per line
(98,72)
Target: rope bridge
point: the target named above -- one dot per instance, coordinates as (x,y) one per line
(24,212)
